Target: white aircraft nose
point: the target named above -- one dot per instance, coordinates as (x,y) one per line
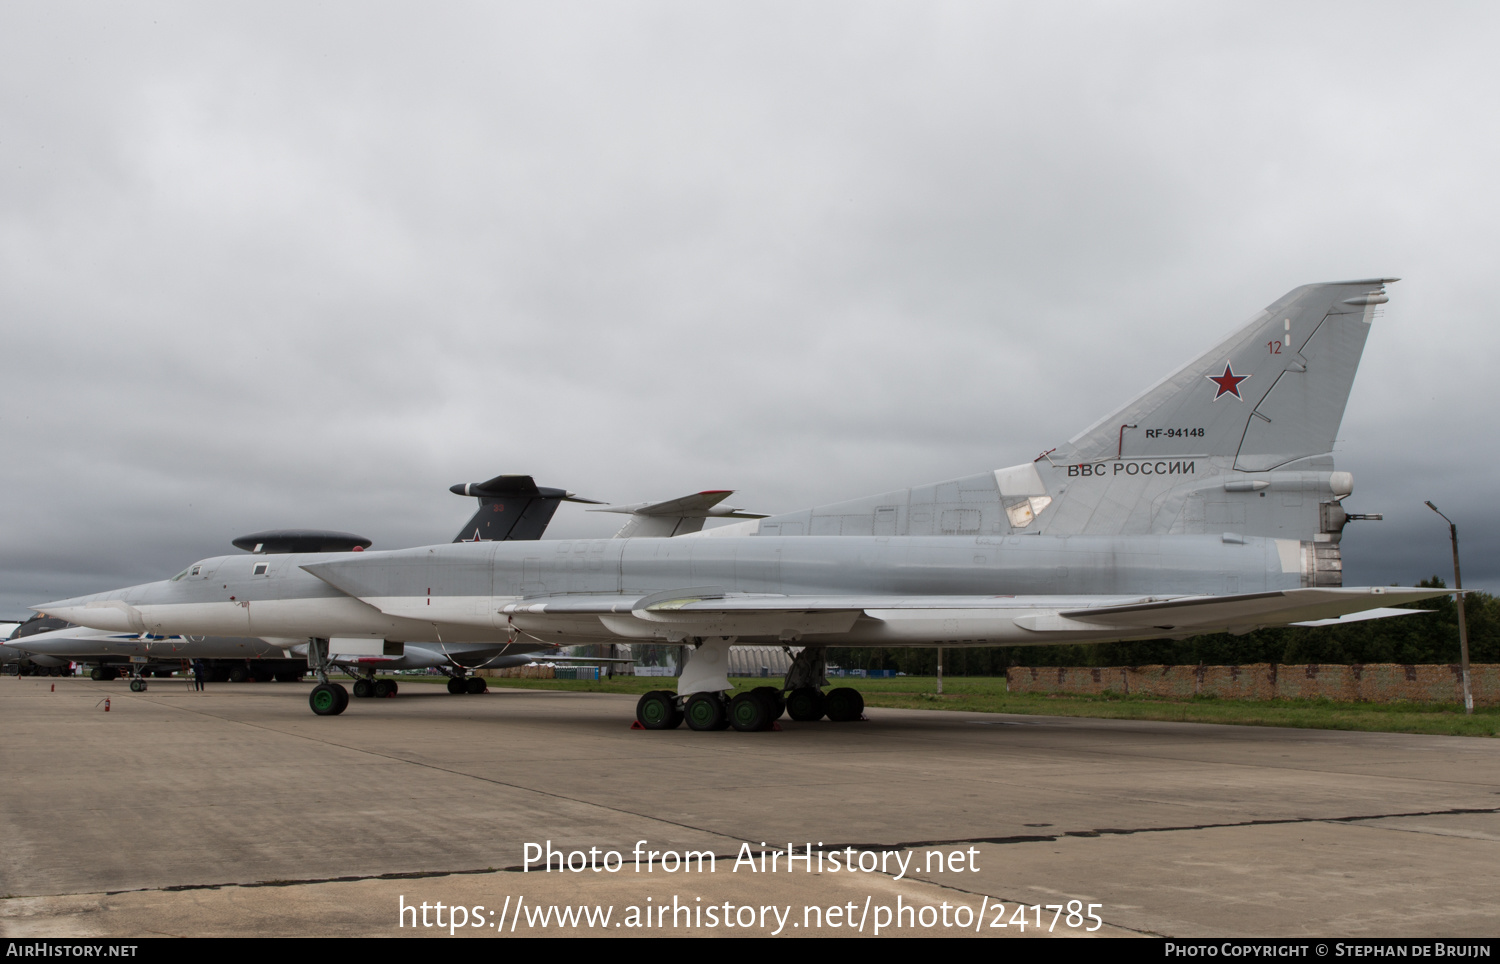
(103,611)
(41,644)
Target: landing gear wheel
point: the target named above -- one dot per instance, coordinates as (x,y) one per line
(456,685)
(476,684)
(239,674)
(383,688)
(657,710)
(773,699)
(805,705)
(137,686)
(706,711)
(328,699)
(363,689)
(749,712)
(844,705)
(96,674)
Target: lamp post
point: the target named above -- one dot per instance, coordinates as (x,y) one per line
(1463,631)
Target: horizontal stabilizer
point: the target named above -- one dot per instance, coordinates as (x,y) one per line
(1237,613)
(677,517)
(1361,617)
(516,487)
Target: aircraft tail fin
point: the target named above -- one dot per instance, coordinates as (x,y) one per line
(511,507)
(1273,392)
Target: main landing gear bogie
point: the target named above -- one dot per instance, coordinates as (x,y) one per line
(368,688)
(747,712)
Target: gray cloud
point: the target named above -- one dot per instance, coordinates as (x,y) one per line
(270,265)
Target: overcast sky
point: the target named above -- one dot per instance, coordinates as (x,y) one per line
(270,265)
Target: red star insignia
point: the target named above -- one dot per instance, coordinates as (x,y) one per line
(1229,382)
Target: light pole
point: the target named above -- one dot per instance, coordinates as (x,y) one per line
(1463,631)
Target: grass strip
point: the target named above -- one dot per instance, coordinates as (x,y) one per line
(978,694)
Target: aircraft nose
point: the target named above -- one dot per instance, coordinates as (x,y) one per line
(35,644)
(106,610)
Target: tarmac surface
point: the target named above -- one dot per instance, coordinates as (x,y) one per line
(239,812)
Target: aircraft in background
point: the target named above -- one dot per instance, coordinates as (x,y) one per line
(16,662)
(1208,504)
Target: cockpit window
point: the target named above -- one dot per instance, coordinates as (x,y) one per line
(179,575)
(192,570)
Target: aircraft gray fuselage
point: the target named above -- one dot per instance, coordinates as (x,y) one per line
(463,590)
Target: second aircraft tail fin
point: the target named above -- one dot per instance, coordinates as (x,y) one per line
(511,507)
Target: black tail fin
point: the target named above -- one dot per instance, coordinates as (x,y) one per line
(511,507)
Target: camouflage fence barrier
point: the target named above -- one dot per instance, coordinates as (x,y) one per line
(1370,682)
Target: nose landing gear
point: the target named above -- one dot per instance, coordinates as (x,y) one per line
(328,699)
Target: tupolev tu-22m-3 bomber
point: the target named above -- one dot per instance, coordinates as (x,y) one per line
(1210,503)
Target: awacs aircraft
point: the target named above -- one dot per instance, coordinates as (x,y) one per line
(1208,504)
